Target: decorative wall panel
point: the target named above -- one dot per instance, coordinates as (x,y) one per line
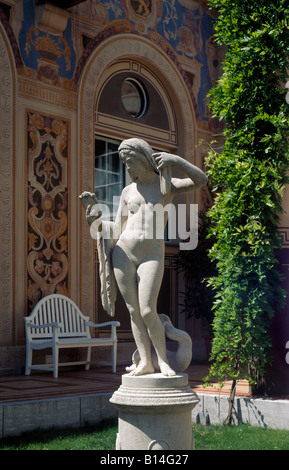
(47,206)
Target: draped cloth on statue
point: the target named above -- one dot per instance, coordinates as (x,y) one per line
(105,244)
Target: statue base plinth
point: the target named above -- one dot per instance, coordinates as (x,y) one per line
(154,412)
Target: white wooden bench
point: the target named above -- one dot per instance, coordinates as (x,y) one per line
(56,322)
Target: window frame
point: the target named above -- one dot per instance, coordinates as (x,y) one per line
(108,172)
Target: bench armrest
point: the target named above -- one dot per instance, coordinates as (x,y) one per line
(108,323)
(112,324)
(54,325)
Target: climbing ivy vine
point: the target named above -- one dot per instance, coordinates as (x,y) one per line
(248,177)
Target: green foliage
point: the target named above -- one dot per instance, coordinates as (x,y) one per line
(248,177)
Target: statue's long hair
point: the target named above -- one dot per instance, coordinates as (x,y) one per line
(142,150)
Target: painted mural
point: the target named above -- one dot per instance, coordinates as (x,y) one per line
(47,206)
(184,26)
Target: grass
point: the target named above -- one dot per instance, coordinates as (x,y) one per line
(101,437)
(242,437)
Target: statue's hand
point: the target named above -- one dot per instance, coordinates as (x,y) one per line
(88,199)
(164,159)
(91,217)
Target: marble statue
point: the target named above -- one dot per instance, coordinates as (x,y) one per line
(132,254)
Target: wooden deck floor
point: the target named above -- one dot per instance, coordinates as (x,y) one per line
(42,385)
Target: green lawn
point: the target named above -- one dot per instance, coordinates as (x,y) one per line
(101,437)
(242,437)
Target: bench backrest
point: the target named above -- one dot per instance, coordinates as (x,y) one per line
(61,309)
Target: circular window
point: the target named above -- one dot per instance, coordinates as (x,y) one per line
(133,97)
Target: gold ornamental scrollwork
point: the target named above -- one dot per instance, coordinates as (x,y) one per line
(47,206)
(49,49)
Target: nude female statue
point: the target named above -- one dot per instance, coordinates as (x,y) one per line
(138,257)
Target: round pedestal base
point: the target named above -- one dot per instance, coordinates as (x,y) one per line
(154,412)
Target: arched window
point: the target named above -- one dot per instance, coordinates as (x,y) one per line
(132,102)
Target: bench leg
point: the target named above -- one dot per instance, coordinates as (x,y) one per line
(113,357)
(28,360)
(55,354)
(88,358)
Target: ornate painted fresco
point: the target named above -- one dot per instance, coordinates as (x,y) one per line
(185,26)
(48,56)
(50,50)
(182,26)
(47,206)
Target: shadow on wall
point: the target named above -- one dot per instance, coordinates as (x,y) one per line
(249,413)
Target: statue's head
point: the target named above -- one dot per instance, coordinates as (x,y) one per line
(138,148)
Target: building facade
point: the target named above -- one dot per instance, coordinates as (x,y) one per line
(78,77)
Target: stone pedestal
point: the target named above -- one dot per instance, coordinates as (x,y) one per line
(154,412)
